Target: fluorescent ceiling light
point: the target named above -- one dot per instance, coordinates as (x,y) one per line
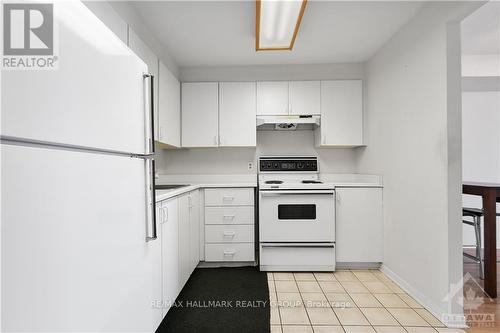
(277,23)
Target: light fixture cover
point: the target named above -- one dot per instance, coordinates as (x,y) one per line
(277,23)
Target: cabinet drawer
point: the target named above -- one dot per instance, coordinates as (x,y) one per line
(229,215)
(229,234)
(230,252)
(229,196)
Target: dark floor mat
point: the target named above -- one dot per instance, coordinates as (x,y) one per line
(200,306)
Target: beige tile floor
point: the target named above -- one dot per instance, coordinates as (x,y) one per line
(347,301)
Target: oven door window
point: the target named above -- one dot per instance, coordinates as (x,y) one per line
(297,212)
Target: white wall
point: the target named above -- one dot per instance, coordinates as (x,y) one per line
(481,146)
(412,131)
(235,160)
(481,103)
(273,72)
(481,64)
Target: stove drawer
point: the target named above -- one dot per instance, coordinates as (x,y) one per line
(230,252)
(229,197)
(297,257)
(229,234)
(229,215)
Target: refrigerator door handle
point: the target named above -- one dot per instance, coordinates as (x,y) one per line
(151,233)
(151,144)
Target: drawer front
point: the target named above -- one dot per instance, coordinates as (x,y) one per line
(229,233)
(298,258)
(229,215)
(230,252)
(229,197)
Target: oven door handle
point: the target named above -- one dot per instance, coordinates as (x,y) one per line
(266,193)
(297,245)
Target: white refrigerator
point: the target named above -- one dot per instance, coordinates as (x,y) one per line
(78,234)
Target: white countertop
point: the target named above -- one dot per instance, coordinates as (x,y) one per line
(250,180)
(201,181)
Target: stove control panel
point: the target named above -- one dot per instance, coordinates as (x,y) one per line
(268,164)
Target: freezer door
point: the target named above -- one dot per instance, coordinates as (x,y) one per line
(97,97)
(74,250)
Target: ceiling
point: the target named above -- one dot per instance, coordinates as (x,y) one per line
(222,33)
(481,30)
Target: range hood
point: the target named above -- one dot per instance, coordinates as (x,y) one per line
(288,123)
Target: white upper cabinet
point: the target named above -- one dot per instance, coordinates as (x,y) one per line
(305,97)
(237,104)
(200,114)
(149,57)
(272,98)
(341,114)
(169,108)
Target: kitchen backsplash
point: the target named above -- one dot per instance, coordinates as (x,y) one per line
(236,160)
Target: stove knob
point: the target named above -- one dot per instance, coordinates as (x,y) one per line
(300,165)
(268,165)
(276,165)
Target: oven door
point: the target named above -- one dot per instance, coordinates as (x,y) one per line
(297,215)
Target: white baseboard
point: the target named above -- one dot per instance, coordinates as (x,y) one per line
(432,307)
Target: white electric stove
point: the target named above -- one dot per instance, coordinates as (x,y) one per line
(296,215)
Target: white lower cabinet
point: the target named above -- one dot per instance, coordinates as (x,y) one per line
(168,210)
(229,234)
(360,225)
(229,224)
(179,219)
(194,229)
(229,252)
(184,261)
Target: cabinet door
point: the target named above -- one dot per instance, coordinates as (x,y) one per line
(272,98)
(200,108)
(237,114)
(341,113)
(194,229)
(170,252)
(305,97)
(184,246)
(148,56)
(169,108)
(360,225)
